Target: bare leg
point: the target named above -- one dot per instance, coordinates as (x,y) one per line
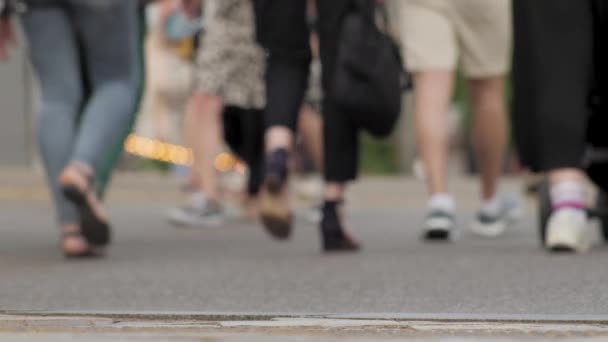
(565,175)
(310,127)
(433,91)
(334,191)
(204,134)
(279,137)
(490,130)
(191,135)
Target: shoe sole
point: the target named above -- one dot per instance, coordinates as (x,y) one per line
(561,242)
(183,222)
(274,184)
(498,228)
(277,227)
(276,219)
(438,229)
(562,249)
(95,230)
(437,235)
(563,246)
(489,230)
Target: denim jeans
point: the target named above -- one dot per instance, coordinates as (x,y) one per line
(73,41)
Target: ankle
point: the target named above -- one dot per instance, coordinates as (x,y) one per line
(82,167)
(278,154)
(331,213)
(443,202)
(70,228)
(278,137)
(491,206)
(567,194)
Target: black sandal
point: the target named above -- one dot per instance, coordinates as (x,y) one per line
(94,228)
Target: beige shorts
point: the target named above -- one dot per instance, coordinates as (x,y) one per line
(437,34)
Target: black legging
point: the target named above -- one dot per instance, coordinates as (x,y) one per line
(283,32)
(244,133)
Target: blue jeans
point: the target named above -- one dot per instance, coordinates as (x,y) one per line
(72,41)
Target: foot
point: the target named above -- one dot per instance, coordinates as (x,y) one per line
(200,211)
(492,222)
(76,182)
(568,231)
(335,237)
(250,209)
(74,245)
(274,201)
(439,225)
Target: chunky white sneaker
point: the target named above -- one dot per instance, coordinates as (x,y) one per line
(200,211)
(495,224)
(568,231)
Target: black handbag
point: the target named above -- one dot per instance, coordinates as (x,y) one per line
(369,78)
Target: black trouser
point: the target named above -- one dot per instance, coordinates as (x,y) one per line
(552,73)
(283,32)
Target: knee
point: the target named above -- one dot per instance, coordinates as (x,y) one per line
(120,91)
(60,98)
(209,107)
(59,106)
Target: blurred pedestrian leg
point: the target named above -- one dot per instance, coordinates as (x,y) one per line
(229,74)
(553,76)
(437,34)
(104,172)
(73,146)
(282,31)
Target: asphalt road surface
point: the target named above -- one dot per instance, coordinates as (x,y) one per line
(156,268)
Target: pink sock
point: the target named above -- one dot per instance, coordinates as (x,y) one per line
(568,194)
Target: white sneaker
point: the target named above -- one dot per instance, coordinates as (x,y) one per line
(568,230)
(493,225)
(200,211)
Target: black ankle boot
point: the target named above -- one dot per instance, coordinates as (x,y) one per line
(334,238)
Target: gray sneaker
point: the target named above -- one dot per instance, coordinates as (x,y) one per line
(493,225)
(199,212)
(439,226)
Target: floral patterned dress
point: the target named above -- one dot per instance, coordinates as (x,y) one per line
(230,64)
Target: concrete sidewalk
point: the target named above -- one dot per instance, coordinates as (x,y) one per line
(113,328)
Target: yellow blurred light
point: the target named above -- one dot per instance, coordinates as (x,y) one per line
(224,162)
(175,154)
(157,150)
